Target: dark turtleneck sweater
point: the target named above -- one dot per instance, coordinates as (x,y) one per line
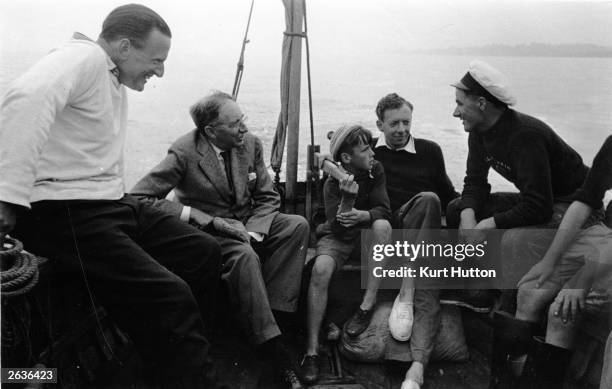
(528,153)
(599,179)
(411,173)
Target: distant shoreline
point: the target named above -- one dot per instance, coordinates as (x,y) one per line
(578,50)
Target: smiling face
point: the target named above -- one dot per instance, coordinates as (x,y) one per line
(137,65)
(396,126)
(470,111)
(228,130)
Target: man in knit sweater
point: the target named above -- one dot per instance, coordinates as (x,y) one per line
(521,148)
(418,189)
(528,153)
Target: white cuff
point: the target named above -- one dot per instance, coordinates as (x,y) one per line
(257,236)
(186,213)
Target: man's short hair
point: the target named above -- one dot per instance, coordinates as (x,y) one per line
(355,135)
(206,110)
(391,101)
(134,22)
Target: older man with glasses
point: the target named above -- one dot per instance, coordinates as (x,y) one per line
(222,186)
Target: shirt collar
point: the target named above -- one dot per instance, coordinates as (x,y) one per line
(112,67)
(218,151)
(409,147)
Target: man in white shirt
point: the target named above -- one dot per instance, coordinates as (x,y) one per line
(62,131)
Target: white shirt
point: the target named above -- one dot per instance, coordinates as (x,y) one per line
(409,147)
(62,128)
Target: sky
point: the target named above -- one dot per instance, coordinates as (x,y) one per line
(418,24)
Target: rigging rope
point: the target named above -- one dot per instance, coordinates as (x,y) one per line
(240,65)
(309,83)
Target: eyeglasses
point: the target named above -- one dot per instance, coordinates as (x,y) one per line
(235,124)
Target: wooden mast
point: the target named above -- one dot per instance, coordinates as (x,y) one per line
(293,125)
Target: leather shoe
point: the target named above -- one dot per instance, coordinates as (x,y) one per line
(291,378)
(358,322)
(310,368)
(401,319)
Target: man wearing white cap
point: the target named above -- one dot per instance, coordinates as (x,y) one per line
(528,153)
(521,148)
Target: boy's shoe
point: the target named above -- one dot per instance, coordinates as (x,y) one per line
(401,319)
(358,322)
(291,378)
(310,368)
(478,300)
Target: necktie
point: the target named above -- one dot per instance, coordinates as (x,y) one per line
(228,169)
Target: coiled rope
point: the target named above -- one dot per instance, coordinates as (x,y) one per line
(22,269)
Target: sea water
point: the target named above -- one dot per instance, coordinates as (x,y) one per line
(572,95)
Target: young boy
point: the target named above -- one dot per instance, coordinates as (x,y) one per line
(339,235)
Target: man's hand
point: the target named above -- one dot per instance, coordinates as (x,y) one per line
(472,232)
(569,303)
(231,228)
(8,218)
(353,217)
(540,272)
(200,218)
(486,224)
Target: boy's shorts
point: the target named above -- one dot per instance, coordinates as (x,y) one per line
(589,245)
(340,250)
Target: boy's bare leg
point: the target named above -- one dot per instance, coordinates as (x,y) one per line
(382,234)
(322,272)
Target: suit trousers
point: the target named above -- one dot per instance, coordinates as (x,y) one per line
(266,275)
(422,212)
(155,275)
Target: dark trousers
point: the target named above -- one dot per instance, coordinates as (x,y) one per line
(155,275)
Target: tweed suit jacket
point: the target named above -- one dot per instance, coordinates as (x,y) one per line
(191,168)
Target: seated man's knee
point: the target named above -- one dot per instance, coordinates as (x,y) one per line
(559,333)
(323,269)
(208,248)
(430,199)
(381,228)
(302,226)
(453,213)
(245,257)
(531,302)
(180,295)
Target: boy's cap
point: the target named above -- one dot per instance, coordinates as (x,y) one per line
(484,79)
(337,139)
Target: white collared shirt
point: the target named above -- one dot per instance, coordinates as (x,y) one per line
(62,128)
(409,147)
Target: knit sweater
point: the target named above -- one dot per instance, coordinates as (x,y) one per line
(411,173)
(533,157)
(599,179)
(371,197)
